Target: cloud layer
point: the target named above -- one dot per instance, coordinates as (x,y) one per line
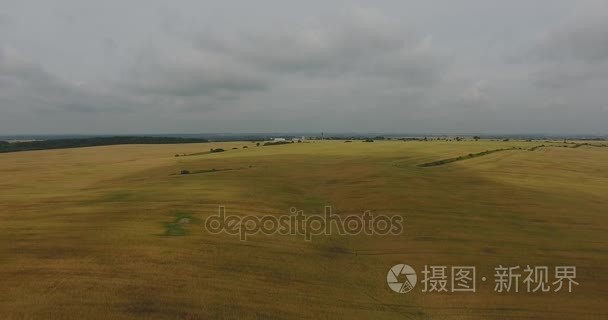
(381,69)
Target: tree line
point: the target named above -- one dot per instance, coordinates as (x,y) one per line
(91,142)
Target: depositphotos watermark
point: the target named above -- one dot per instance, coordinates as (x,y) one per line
(308,225)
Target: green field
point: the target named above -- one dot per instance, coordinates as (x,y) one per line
(116,232)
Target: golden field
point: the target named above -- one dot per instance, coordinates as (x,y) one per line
(86,233)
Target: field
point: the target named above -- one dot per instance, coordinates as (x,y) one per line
(116,232)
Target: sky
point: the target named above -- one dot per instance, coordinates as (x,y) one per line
(151,66)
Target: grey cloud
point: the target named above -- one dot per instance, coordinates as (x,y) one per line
(582,40)
(571,54)
(363,43)
(559,76)
(402,66)
(192,73)
(361,52)
(16,71)
(108,45)
(5,21)
(26,85)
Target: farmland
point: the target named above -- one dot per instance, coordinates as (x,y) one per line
(117,231)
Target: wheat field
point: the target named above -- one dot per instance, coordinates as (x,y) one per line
(98,233)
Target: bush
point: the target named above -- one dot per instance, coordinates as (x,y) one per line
(217,150)
(245,147)
(273,143)
(368,140)
(184,172)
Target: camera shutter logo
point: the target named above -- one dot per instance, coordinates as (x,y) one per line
(401,278)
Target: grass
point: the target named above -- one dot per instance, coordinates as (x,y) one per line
(177,227)
(113,232)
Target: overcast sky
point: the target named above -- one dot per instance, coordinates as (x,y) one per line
(151,66)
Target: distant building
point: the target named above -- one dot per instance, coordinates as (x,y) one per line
(278,139)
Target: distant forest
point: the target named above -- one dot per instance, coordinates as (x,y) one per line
(90,142)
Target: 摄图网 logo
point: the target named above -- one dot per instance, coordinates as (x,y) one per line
(401,278)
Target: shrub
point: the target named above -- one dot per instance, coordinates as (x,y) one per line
(276,143)
(368,140)
(217,150)
(184,172)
